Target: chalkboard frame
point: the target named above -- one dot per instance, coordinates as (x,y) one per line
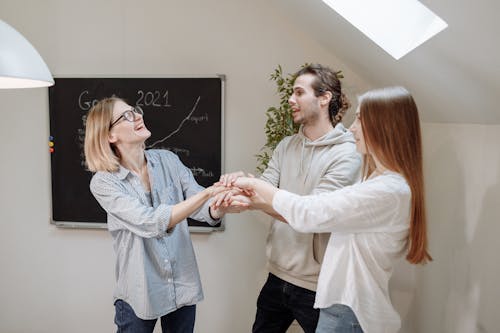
(103,225)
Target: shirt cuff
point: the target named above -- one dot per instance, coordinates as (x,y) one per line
(213,218)
(164,211)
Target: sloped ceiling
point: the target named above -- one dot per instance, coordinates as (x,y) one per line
(454,76)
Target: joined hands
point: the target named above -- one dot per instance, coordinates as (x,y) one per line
(242,192)
(233,199)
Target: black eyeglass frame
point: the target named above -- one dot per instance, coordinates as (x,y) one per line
(135,110)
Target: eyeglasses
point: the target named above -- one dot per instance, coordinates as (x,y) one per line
(129,115)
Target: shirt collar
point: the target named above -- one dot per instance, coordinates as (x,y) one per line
(123,172)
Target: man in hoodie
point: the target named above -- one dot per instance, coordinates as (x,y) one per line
(321,157)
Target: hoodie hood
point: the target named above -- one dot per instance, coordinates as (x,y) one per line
(338,135)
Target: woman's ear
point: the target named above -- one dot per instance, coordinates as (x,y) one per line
(325,99)
(112,137)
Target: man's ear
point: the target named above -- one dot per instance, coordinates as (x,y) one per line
(325,99)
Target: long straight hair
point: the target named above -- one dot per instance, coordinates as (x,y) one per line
(391,128)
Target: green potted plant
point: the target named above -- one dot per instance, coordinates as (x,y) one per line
(279,122)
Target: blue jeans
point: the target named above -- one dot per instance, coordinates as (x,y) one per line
(179,321)
(338,318)
(279,303)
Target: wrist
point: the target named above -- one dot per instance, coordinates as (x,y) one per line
(207,193)
(214,214)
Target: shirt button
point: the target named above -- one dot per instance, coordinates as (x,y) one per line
(169,280)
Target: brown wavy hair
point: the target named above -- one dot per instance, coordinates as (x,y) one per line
(391,128)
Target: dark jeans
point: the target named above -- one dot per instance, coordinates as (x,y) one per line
(279,303)
(338,318)
(179,321)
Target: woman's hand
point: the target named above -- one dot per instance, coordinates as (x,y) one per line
(228,201)
(229,178)
(215,190)
(258,191)
(235,193)
(232,201)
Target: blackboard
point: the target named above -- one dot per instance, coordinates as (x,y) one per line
(184,115)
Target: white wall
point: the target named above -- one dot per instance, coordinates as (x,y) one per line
(56,280)
(458,292)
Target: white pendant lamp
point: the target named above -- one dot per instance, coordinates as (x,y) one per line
(21,66)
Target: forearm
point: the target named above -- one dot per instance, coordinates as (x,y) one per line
(276,216)
(187,207)
(262,196)
(269,210)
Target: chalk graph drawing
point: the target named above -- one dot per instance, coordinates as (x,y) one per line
(178,127)
(197,171)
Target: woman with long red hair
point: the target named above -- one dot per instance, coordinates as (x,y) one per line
(372,223)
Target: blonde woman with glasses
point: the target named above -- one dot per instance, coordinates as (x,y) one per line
(147,194)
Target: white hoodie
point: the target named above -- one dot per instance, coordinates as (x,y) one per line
(302,166)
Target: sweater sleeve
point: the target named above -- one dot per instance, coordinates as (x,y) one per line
(345,170)
(272,172)
(378,205)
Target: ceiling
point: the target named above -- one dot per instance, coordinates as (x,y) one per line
(454,76)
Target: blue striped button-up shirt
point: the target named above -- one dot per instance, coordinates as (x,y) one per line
(156,270)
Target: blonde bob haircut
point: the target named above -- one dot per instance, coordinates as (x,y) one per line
(391,128)
(99,153)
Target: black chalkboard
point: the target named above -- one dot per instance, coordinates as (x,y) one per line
(184,115)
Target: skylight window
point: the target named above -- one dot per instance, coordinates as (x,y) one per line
(397,26)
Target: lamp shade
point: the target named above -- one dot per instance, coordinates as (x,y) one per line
(21,66)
